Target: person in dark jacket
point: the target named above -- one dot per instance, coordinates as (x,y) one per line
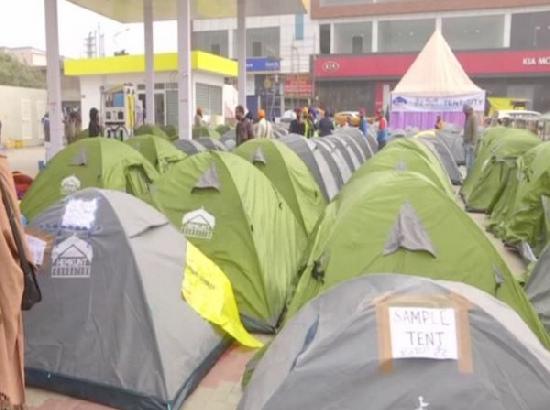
(94,127)
(244,131)
(297,126)
(326,125)
(469,136)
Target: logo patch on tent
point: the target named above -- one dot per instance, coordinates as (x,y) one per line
(72,258)
(198,224)
(70,185)
(422,404)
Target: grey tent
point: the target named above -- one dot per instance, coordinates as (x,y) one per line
(338,154)
(212,144)
(368,142)
(190,147)
(453,141)
(358,144)
(538,287)
(440,149)
(229,139)
(112,326)
(349,349)
(349,149)
(320,163)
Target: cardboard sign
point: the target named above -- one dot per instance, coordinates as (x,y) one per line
(80,213)
(37,248)
(418,332)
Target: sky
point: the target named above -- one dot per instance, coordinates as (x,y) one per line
(22,24)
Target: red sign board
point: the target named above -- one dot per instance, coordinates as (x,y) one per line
(396,65)
(298,86)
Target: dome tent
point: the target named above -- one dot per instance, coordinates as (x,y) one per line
(158,151)
(434,85)
(538,287)
(400,221)
(112,326)
(501,158)
(368,142)
(233,213)
(290,176)
(406,154)
(335,155)
(337,352)
(436,145)
(192,147)
(93,162)
(319,162)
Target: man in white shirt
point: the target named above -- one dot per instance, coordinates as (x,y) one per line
(264,129)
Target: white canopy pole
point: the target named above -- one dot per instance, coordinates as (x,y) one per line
(184,69)
(53,74)
(241,50)
(149,62)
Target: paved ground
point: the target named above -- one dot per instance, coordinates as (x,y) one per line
(220,389)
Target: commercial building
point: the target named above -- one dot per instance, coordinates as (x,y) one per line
(278,53)
(210,90)
(366,46)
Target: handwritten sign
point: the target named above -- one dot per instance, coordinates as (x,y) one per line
(418,332)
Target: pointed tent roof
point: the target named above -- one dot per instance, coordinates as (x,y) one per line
(436,72)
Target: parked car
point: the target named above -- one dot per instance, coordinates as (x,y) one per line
(340,118)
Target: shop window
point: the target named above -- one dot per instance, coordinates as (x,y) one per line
(474,33)
(530,31)
(216,42)
(215,49)
(209,98)
(404,35)
(324,38)
(256,49)
(355,38)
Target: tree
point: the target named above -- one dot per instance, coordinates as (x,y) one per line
(12,72)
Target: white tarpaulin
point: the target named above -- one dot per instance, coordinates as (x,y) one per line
(401,103)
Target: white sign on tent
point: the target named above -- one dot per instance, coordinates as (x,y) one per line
(437,104)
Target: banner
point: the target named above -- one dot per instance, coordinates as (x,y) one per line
(437,104)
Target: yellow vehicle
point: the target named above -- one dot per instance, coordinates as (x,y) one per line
(506,104)
(340,118)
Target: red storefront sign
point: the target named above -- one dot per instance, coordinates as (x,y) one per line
(396,65)
(298,86)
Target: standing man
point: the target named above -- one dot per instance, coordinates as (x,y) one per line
(326,126)
(469,136)
(363,123)
(244,126)
(264,129)
(382,129)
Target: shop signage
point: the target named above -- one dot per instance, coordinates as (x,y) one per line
(298,86)
(262,64)
(437,104)
(475,63)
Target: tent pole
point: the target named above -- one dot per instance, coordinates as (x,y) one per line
(148,32)
(184,69)
(241,50)
(53,73)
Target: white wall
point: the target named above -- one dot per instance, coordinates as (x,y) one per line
(21,112)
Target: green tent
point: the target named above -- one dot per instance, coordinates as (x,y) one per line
(402,222)
(290,176)
(158,151)
(233,213)
(503,204)
(482,152)
(405,154)
(498,163)
(525,222)
(91,162)
(153,130)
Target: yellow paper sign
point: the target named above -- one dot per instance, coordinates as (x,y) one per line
(208,291)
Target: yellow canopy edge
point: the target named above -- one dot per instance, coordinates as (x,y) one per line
(126,64)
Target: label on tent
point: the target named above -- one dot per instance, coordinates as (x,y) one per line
(418,332)
(37,247)
(72,258)
(208,291)
(70,185)
(198,224)
(80,213)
